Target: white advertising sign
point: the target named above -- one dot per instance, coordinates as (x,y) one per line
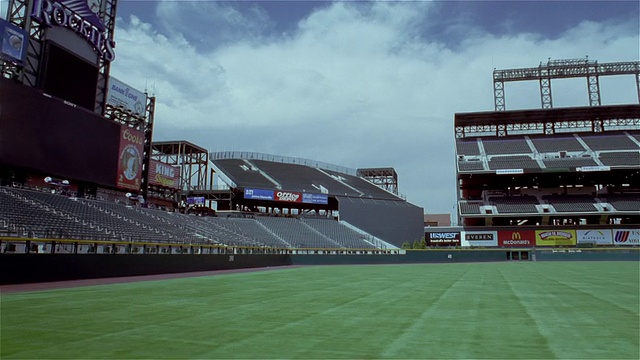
(595,236)
(480,238)
(123,95)
(626,237)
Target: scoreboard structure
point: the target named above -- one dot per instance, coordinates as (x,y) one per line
(63,115)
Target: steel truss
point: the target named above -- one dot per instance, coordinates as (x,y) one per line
(192,160)
(596,119)
(386,178)
(561,69)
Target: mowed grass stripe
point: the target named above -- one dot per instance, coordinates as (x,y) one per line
(498,310)
(592,321)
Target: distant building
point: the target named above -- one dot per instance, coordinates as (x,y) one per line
(437,220)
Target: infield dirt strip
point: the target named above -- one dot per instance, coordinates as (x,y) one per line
(30,287)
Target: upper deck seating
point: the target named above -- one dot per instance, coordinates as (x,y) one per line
(470,166)
(569,162)
(301,178)
(609,142)
(242,174)
(557,144)
(512,162)
(364,187)
(506,146)
(467,147)
(469,208)
(620,158)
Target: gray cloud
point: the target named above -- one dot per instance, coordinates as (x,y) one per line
(353,86)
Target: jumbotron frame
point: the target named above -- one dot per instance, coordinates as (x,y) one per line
(563,69)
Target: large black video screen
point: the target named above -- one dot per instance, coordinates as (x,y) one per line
(68,77)
(43,134)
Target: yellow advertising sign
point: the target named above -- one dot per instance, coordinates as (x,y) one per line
(555,237)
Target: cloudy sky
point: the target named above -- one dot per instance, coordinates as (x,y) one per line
(359,84)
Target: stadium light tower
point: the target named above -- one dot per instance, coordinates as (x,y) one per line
(562,69)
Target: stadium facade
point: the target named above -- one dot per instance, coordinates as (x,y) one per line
(550,176)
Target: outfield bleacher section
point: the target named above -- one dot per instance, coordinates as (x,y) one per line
(36,214)
(265,174)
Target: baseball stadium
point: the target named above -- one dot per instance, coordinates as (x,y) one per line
(117,245)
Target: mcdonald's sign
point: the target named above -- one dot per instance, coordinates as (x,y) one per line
(516,238)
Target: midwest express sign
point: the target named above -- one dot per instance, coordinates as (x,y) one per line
(80,16)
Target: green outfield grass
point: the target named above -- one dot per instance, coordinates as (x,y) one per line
(494,310)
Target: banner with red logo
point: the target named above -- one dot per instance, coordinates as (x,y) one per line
(516,238)
(130,158)
(626,237)
(288,196)
(161,174)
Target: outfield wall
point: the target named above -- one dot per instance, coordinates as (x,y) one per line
(630,254)
(411,257)
(27,268)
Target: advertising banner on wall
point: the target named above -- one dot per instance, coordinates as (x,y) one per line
(258,194)
(195,200)
(595,236)
(480,238)
(122,95)
(130,158)
(555,237)
(161,174)
(288,196)
(516,238)
(13,46)
(315,198)
(626,237)
(451,238)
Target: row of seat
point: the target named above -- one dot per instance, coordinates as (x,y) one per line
(628,158)
(560,203)
(46,215)
(547,144)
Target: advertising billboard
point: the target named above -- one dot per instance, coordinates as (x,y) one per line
(161,174)
(122,95)
(288,196)
(555,237)
(626,237)
(195,200)
(595,236)
(14,42)
(448,238)
(130,158)
(516,238)
(480,238)
(258,194)
(322,199)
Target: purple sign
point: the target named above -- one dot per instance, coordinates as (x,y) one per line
(80,16)
(315,198)
(258,194)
